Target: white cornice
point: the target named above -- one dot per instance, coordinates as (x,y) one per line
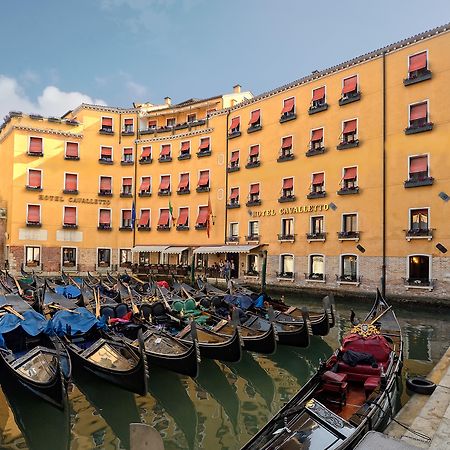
(174,136)
(41,130)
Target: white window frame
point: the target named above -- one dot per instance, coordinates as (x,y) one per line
(348,214)
(38,267)
(170,217)
(287,218)
(112,122)
(171,118)
(149,216)
(430,270)
(282,184)
(72,173)
(408,57)
(189,214)
(40,211)
(37,170)
(29,144)
(110,257)
(65,151)
(310,267)
(200,142)
(324,180)
(229,228)
(118,255)
(343,174)
(427,100)
(64,211)
(341,268)
(249,222)
(209,176)
(190,146)
(100,179)
(428,208)
(323,133)
(346,78)
(191,114)
(315,216)
(121,215)
(323,86)
(280,259)
(132,184)
(240,124)
(123,123)
(286,99)
(110,217)
(132,153)
(170,181)
(76,256)
(343,124)
(260,115)
(150,185)
(106,146)
(160,150)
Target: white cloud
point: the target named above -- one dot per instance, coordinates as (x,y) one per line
(51,102)
(136,89)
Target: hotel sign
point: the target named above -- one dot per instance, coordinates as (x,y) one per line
(88,201)
(291,210)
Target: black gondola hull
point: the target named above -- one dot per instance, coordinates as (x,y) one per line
(297,338)
(265,343)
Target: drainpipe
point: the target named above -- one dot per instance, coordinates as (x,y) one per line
(383,231)
(138,136)
(226,181)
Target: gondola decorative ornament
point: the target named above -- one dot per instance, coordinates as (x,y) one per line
(365,330)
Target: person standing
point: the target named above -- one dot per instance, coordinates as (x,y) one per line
(227,269)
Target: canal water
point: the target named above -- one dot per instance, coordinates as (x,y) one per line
(221,409)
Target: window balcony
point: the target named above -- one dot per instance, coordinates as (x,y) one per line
(286,237)
(145,194)
(417,77)
(316,194)
(203,189)
(232,239)
(164,159)
(344,145)
(289,276)
(316,237)
(126,195)
(182,227)
(147,131)
(285,157)
(203,153)
(254,128)
(231,169)
(419,128)
(253,202)
(107,131)
(286,198)
(127,132)
(252,164)
(348,190)
(35,154)
(419,233)
(107,161)
(164,193)
(419,283)
(70,226)
(200,226)
(34,224)
(348,235)
(143,228)
(349,98)
(234,134)
(163,227)
(126,228)
(70,191)
(233,205)
(252,238)
(184,156)
(316,277)
(416,182)
(124,162)
(317,108)
(349,279)
(286,117)
(33,188)
(148,160)
(71,158)
(105,193)
(183,191)
(104,227)
(315,151)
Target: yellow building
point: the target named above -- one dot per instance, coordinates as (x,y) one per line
(339,180)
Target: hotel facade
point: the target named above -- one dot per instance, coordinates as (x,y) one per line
(337,181)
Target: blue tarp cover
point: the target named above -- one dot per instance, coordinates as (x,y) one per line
(82,322)
(33,324)
(68,291)
(242,301)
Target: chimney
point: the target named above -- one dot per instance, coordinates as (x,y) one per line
(167,101)
(237,88)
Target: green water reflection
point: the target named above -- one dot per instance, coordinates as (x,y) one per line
(221,409)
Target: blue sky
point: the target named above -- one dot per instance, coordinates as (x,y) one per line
(56,54)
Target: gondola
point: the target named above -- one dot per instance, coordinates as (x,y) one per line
(351,393)
(94,350)
(29,357)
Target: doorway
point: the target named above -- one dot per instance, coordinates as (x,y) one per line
(234,261)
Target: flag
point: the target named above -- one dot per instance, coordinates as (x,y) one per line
(133,214)
(208,221)
(171,213)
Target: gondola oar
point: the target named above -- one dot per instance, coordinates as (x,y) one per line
(18,286)
(134,308)
(11,310)
(380,315)
(97,303)
(55,306)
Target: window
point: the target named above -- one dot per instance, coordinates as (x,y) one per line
(35,147)
(287,228)
(146,154)
(350,179)
(419,270)
(146,186)
(144,219)
(165,154)
(72,150)
(185,150)
(235,127)
(183,186)
(418,171)
(203,181)
(103,257)
(151,124)
(234,232)
(70,183)
(316,267)
(349,227)
(318,99)
(252,264)
(202,218)
(317,139)
(183,219)
(125,257)
(32,256)
(171,122)
(70,217)
(105,186)
(205,146)
(349,133)
(164,185)
(255,120)
(106,154)
(317,225)
(104,219)
(288,111)
(419,222)
(69,257)
(286,266)
(126,219)
(253,159)
(417,68)
(287,190)
(210,111)
(318,183)
(201,261)
(253,229)
(286,149)
(349,268)
(127,155)
(34,179)
(253,197)
(127,187)
(164,219)
(191,118)
(234,196)
(419,118)
(350,91)
(107,125)
(128,126)
(234,160)
(34,215)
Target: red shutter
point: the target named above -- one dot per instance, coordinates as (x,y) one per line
(128,121)
(286,142)
(72,149)
(163,217)
(254,118)
(317,135)
(254,188)
(204,178)
(145,184)
(183,216)
(202,215)
(350,84)
(234,193)
(34,178)
(288,105)
(146,152)
(152,123)
(234,156)
(288,183)
(204,143)
(105,183)
(185,146)
(318,178)
(418,164)
(126,214)
(254,150)
(127,182)
(70,215)
(349,127)
(165,150)
(417,62)
(128,151)
(35,145)
(106,151)
(165,182)
(107,122)
(105,217)
(34,212)
(71,182)
(235,122)
(350,173)
(418,111)
(318,94)
(145,217)
(184,181)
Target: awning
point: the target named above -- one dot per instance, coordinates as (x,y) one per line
(175,250)
(165,182)
(254,150)
(146,152)
(128,151)
(234,156)
(126,214)
(183,216)
(71,181)
(185,146)
(255,116)
(204,178)
(350,84)
(204,143)
(105,217)
(350,173)
(318,178)
(145,217)
(34,212)
(288,183)
(417,62)
(128,121)
(145,184)
(106,151)
(418,111)
(105,183)
(317,135)
(235,122)
(288,105)
(163,217)
(127,181)
(319,93)
(184,181)
(70,215)
(225,249)
(349,127)
(254,188)
(149,248)
(72,149)
(165,150)
(107,121)
(287,142)
(203,215)
(418,164)
(35,145)
(234,193)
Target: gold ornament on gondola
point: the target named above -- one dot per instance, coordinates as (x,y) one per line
(365,330)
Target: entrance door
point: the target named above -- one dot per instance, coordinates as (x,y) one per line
(234,261)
